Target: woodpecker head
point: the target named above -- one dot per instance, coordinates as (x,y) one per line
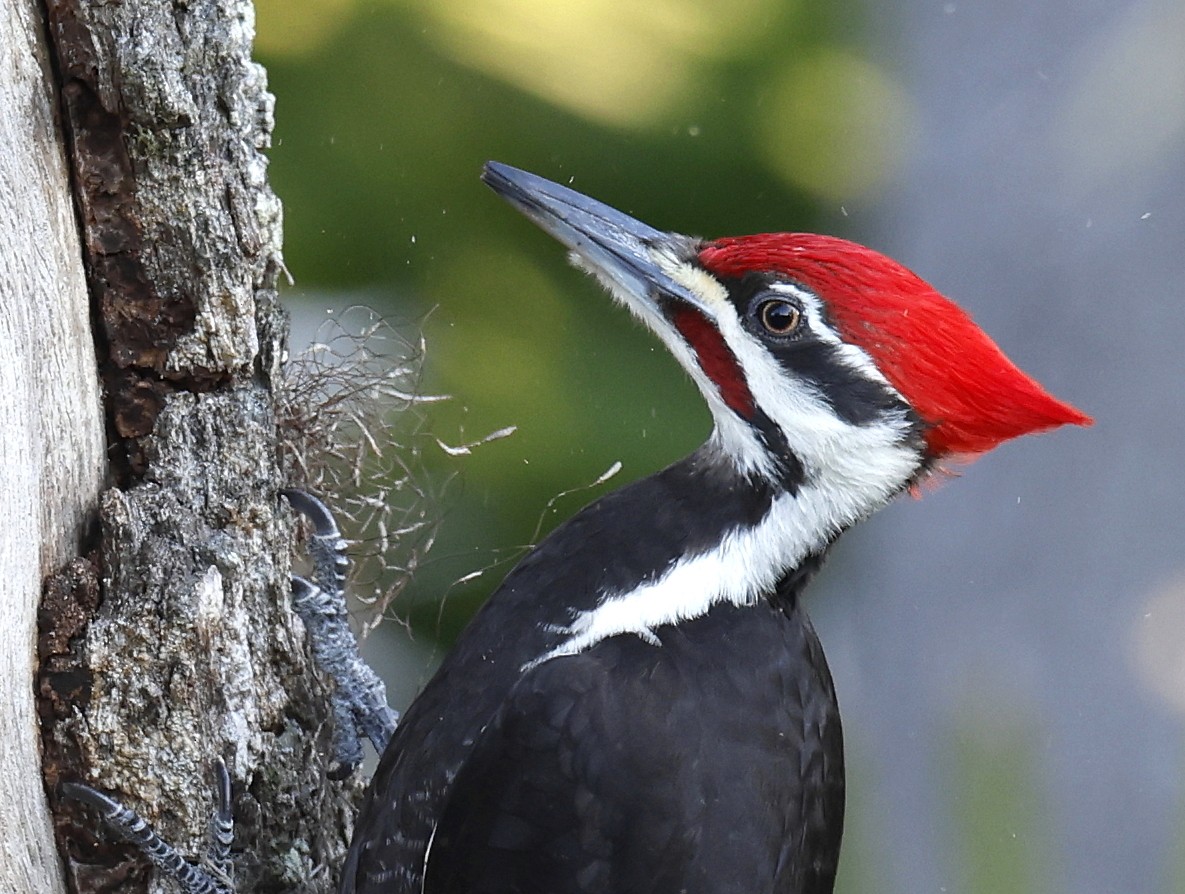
(825,364)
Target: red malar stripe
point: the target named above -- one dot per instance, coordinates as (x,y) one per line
(715,359)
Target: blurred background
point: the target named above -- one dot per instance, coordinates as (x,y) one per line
(1009,650)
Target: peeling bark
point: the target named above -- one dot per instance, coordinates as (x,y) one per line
(173,643)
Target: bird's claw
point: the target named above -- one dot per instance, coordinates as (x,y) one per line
(359,697)
(214,876)
(359,703)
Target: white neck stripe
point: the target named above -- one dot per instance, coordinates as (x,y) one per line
(744,569)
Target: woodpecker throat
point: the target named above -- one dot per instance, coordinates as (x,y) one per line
(643,705)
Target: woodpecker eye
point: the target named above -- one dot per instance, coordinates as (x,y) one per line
(779,317)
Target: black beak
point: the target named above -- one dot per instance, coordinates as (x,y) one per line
(634,257)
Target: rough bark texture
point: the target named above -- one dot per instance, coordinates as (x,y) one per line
(51,446)
(176,644)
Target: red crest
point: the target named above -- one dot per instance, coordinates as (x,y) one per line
(962,385)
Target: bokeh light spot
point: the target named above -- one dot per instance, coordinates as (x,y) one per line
(295,27)
(834,125)
(617,63)
(1158,648)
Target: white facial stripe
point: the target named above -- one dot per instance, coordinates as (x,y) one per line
(746,565)
(853,356)
(816,434)
(829,448)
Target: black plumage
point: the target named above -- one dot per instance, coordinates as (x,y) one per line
(710,764)
(631,766)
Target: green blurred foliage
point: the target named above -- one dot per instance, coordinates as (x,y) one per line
(386,112)
(1000,820)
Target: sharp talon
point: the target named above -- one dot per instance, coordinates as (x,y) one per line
(222,823)
(326,547)
(312,509)
(315,605)
(76,791)
(222,778)
(360,698)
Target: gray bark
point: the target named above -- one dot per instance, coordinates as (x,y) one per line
(173,642)
(51,450)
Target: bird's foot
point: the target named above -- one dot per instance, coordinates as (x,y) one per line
(359,703)
(359,697)
(213,876)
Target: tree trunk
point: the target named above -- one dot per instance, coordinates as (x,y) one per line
(51,451)
(170,642)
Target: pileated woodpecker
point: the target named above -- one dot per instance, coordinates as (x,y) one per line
(643,706)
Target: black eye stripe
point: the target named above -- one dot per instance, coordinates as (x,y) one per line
(809,354)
